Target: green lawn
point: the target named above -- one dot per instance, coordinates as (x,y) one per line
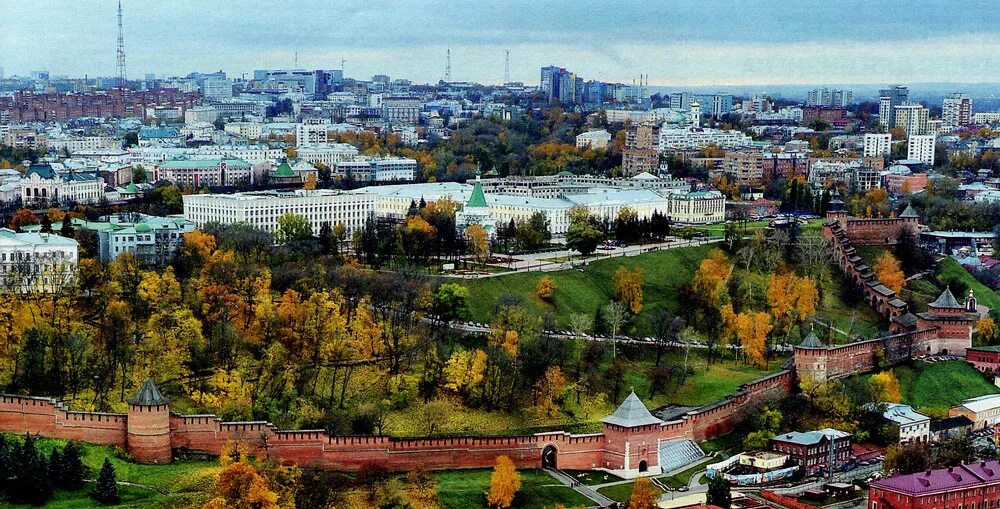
(184,482)
(718,231)
(585,289)
(466,489)
(592,477)
(621,492)
(857,318)
(707,383)
(950,270)
(942,384)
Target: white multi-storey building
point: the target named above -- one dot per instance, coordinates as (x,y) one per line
(36,262)
(691,138)
(387,169)
(201,114)
(311,134)
(152,240)
(878,145)
(921,148)
(248,130)
(262,209)
(986,117)
(956,111)
(401,110)
(74,144)
(330,155)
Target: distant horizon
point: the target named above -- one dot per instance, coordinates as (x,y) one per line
(922,41)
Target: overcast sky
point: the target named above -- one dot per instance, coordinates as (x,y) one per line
(691,42)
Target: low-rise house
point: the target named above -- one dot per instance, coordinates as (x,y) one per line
(947,429)
(811,450)
(33,262)
(983,411)
(912,425)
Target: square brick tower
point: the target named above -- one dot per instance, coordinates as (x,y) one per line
(148,429)
(632,438)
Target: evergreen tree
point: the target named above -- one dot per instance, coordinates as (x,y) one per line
(326,239)
(66,230)
(106,489)
(70,477)
(55,467)
(719,493)
(32,483)
(7,468)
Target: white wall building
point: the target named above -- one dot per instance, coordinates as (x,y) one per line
(74,144)
(921,148)
(593,139)
(311,134)
(262,209)
(248,130)
(152,240)
(691,138)
(330,155)
(201,114)
(36,262)
(878,145)
(912,118)
(913,426)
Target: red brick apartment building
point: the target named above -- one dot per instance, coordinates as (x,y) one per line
(972,486)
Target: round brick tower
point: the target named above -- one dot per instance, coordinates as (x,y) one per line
(148,431)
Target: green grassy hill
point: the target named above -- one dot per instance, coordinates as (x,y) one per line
(585,289)
(942,384)
(949,271)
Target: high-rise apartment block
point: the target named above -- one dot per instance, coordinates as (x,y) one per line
(641,152)
(956,111)
(830,98)
(911,118)
(889,98)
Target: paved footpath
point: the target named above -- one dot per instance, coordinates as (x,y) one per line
(580,488)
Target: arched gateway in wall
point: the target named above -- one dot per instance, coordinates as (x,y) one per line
(550,456)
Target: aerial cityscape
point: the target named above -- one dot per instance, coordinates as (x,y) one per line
(499,255)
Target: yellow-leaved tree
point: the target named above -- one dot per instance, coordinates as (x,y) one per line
(628,287)
(240,486)
(791,298)
(504,483)
(885,387)
(712,276)
(546,288)
(644,495)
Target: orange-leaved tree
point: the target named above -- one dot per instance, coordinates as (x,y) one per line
(712,276)
(889,273)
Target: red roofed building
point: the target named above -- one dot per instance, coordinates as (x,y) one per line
(976,485)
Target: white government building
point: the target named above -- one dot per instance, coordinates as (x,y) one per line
(36,262)
(262,209)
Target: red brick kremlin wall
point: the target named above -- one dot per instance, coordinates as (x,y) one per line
(150,433)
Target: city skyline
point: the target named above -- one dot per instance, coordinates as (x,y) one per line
(709,43)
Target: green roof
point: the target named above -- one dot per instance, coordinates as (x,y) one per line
(131,189)
(908,212)
(143,228)
(946,300)
(478,199)
(284,170)
(811,341)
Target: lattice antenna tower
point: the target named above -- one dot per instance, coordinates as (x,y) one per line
(447,68)
(122,77)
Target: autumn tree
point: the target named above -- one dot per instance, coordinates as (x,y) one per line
(791,298)
(240,486)
(549,390)
(479,244)
(546,288)
(644,494)
(986,330)
(628,287)
(885,387)
(23,217)
(889,272)
(712,277)
(463,373)
(504,483)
